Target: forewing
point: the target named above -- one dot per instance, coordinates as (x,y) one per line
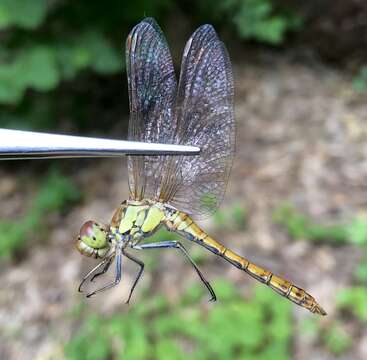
(204,117)
(152,88)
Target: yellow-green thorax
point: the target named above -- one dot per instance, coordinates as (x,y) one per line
(138,219)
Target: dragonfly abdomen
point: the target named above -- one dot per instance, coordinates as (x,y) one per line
(186,227)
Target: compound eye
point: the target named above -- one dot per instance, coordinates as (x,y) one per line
(93,235)
(87,229)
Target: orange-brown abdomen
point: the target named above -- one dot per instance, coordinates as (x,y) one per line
(185,226)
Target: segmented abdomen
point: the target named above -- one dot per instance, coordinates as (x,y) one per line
(186,227)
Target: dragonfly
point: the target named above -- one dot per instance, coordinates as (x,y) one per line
(174,191)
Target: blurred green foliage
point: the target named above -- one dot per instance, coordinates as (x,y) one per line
(235,328)
(260,20)
(163,235)
(42,45)
(337,339)
(55,193)
(234,217)
(333,337)
(25,14)
(45,45)
(360,80)
(354,299)
(300,226)
(49,50)
(361,270)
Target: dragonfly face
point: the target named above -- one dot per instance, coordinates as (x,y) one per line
(93,240)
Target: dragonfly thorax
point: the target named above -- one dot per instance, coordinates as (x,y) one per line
(132,222)
(138,219)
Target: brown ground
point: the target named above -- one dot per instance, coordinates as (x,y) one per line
(301,138)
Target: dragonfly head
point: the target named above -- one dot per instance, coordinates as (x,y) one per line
(93,240)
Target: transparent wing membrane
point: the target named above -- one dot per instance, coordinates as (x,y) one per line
(152,87)
(199,112)
(204,111)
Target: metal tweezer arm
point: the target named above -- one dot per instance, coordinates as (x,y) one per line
(17,144)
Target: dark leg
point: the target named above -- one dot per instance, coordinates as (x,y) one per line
(104,270)
(178,245)
(140,273)
(117,276)
(96,268)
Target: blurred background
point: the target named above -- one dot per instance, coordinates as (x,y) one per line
(296,201)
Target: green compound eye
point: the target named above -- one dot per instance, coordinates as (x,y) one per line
(93,235)
(93,240)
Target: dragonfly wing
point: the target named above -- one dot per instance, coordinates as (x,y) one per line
(204,117)
(152,89)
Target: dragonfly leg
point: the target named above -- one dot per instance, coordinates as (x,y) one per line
(140,273)
(96,268)
(117,276)
(104,270)
(178,245)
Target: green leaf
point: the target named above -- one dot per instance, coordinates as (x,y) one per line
(256,19)
(183,331)
(301,227)
(239,215)
(12,237)
(359,82)
(55,193)
(220,219)
(11,90)
(275,350)
(337,340)
(272,30)
(354,299)
(167,349)
(41,67)
(137,340)
(38,68)
(357,230)
(225,290)
(34,67)
(91,344)
(311,326)
(26,14)
(361,271)
(106,59)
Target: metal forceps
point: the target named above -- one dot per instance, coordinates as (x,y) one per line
(17,145)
